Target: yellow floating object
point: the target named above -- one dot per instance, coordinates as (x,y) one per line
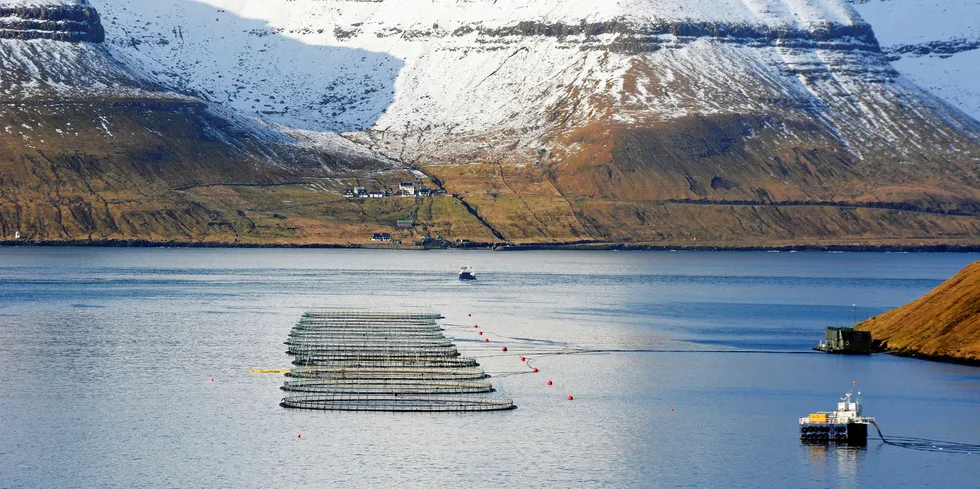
(269,371)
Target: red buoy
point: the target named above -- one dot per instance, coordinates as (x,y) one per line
(535,369)
(671,409)
(212,379)
(549,382)
(468,315)
(480,333)
(522,359)
(503,349)
(475,326)
(299,436)
(486,340)
(570,398)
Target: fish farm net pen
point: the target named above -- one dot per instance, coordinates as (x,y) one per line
(387,386)
(365,333)
(432,373)
(388,402)
(306,329)
(397,363)
(361,342)
(382,362)
(370,315)
(411,350)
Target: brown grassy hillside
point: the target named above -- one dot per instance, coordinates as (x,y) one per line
(944,324)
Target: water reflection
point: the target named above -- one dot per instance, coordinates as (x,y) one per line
(840,463)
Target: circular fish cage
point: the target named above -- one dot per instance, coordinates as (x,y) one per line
(389,402)
(364,333)
(386,386)
(348,363)
(373,343)
(395,350)
(390,373)
(332,356)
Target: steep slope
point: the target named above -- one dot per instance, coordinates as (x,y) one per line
(944,324)
(755,121)
(91,151)
(935,44)
(666,123)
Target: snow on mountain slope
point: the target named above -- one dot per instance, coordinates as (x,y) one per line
(934,43)
(451,81)
(336,65)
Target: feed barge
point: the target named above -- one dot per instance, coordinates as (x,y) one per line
(846,425)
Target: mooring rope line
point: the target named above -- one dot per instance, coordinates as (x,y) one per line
(927,445)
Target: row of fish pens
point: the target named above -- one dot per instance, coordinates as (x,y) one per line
(360,361)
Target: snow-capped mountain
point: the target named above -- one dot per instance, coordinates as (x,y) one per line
(935,43)
(419,77)
(602,115)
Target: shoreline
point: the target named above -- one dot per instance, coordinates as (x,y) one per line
(573,246)
(916,355)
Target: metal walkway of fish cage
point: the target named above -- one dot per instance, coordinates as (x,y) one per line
(362,361)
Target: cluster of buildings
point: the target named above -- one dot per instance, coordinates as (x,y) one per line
(405,189)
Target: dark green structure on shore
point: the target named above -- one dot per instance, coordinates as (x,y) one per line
(846,340)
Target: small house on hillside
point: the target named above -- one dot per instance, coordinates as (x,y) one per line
(406,188)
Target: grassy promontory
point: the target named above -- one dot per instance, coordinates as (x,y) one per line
(943,325)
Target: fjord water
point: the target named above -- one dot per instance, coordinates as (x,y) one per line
(107,356)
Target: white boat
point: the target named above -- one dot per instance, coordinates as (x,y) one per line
(845,425)
(467,273)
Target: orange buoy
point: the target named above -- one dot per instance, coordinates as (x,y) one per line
(570,398)
(855,382)
(549,382)
(535,369)
(486,340)
(522,359)
(503,349)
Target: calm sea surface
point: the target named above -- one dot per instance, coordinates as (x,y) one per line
(107,356)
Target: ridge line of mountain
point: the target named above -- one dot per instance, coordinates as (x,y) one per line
(942,49)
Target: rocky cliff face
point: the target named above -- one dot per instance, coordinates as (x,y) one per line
(58,21)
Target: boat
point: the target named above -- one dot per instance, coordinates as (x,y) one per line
(846,425)
(467,273)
